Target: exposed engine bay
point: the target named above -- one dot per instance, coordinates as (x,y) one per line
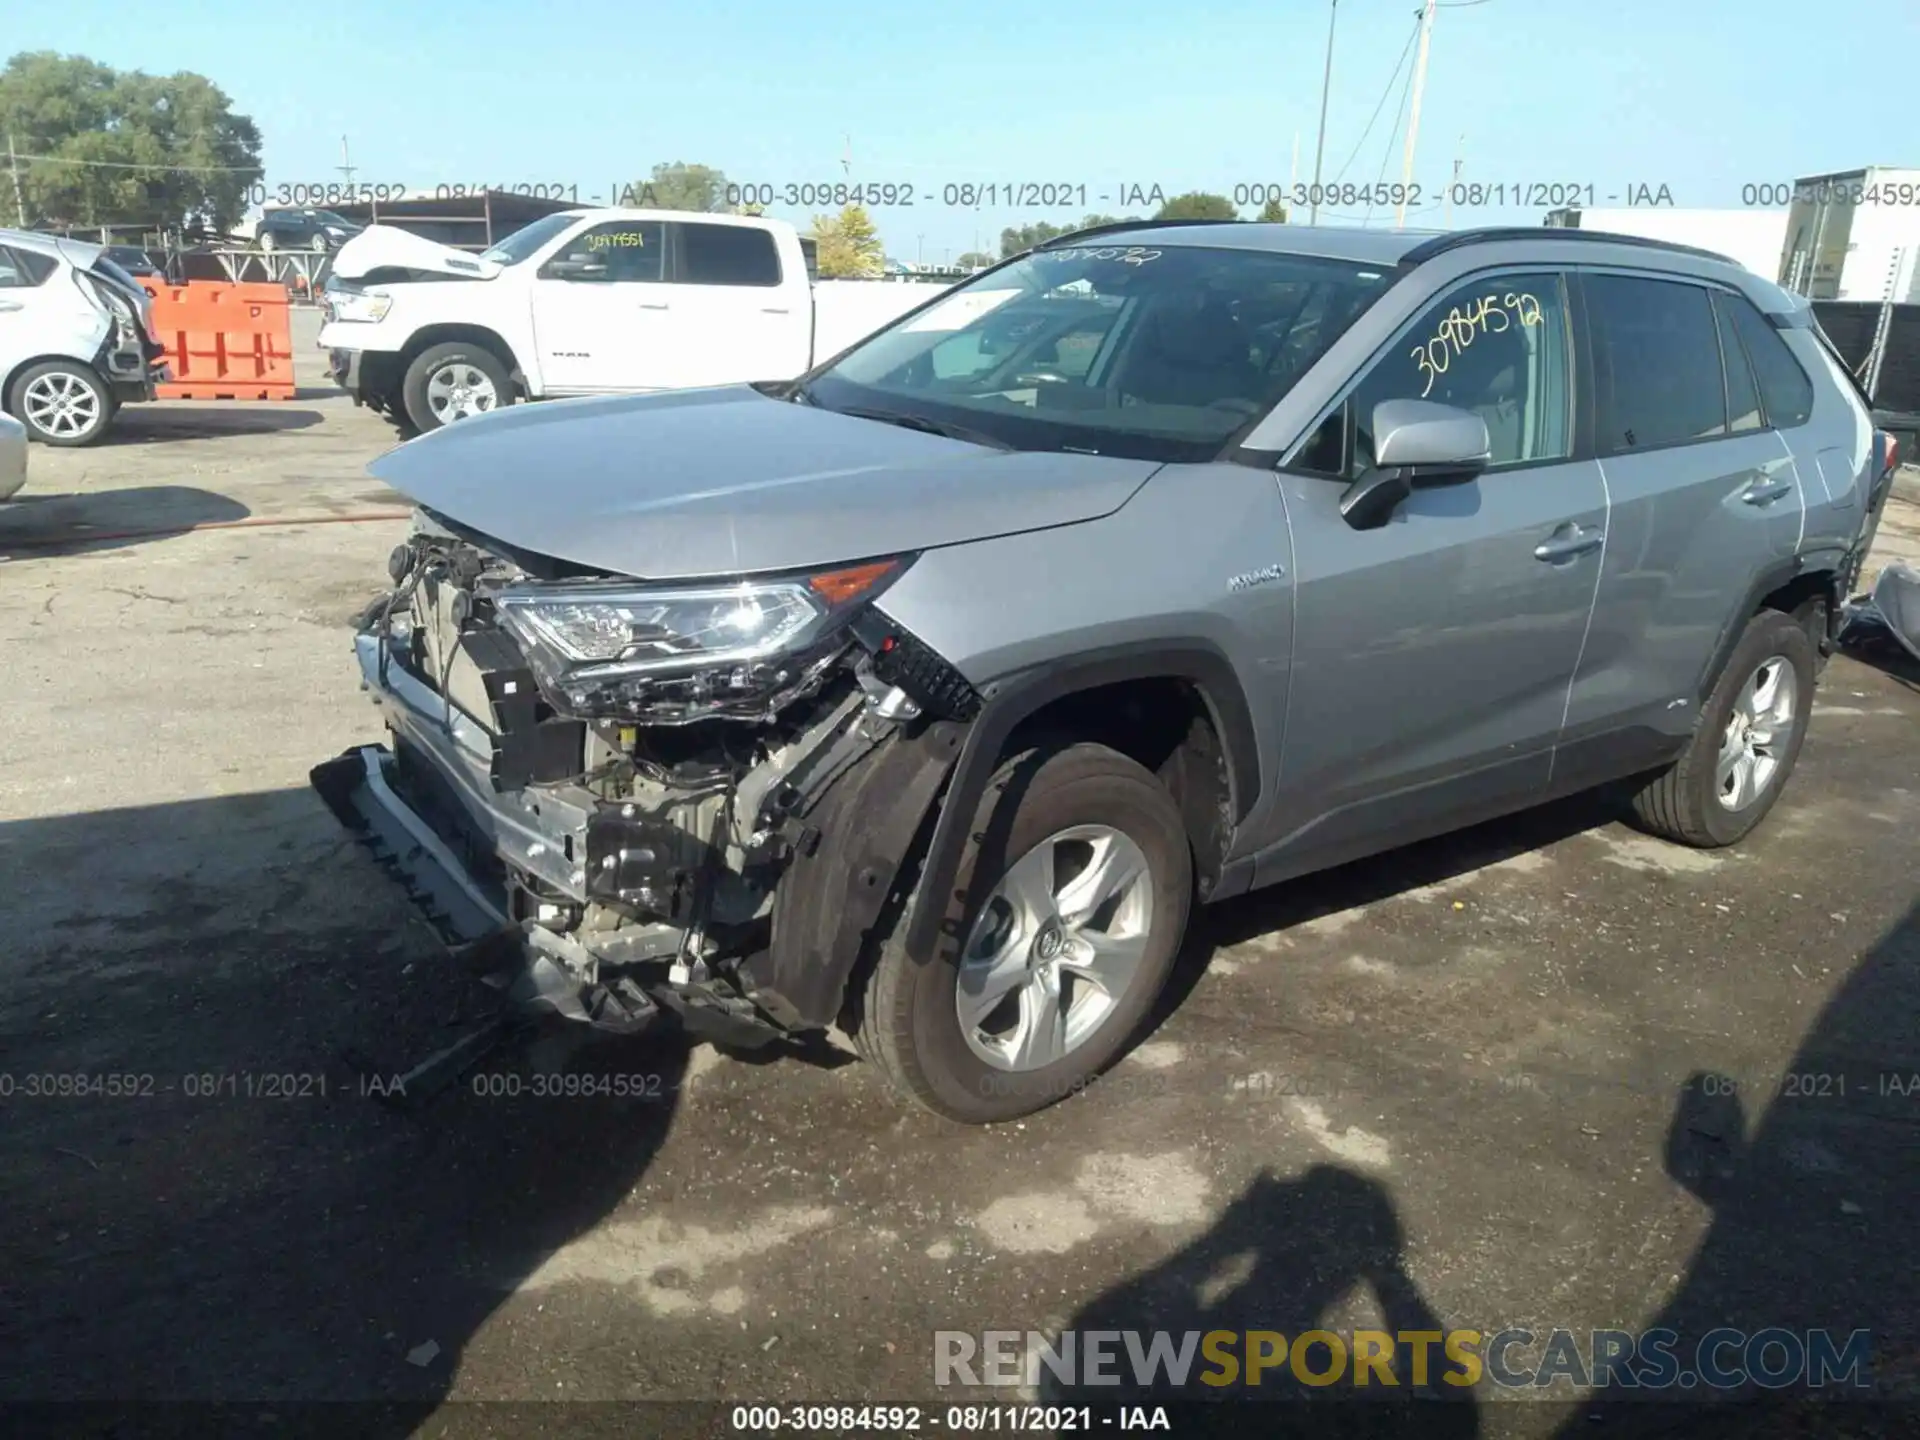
(637,797)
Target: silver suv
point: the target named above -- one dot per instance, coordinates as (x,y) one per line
(928,694)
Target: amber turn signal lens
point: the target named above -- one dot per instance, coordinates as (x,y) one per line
(837,587)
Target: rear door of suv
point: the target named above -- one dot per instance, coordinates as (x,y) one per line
(1704,500)
(736,314)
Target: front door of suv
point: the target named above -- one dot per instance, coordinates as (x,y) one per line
(600,316)
(1432,656)
(1706,497)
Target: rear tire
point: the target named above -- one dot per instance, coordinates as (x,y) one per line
(1746,743)
(453,381)
(1042,812)
(62,402)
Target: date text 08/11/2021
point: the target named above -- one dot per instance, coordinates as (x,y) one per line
(1069,195)
(972,1419)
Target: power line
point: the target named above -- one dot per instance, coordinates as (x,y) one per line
(1387,157)
(1415,35)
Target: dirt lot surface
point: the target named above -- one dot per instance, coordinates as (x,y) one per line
(1436,1089)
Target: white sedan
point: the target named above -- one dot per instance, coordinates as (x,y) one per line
(13,455)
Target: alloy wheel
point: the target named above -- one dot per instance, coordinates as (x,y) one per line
(1757,734)
(458,390)
(1056,946)
(61,404)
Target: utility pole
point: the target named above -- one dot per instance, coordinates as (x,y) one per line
(1413,115)
(1320,146)
(1458,151)
(346,166)
(19,200)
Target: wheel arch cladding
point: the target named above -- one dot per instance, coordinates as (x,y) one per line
(1777,579)
(455,333)
(18,372)
(844,873)
(1019,698)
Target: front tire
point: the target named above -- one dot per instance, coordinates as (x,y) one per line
(1069,906)
(62,402)
(1746,743)
(452,382)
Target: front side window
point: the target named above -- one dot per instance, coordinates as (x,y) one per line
(621,250)
(1149,352)
(1658,360)
(727,255)
(1495,346)
(13,274)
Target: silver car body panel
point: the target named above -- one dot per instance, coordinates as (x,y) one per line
(13,456)
(725,481)
(1498,640)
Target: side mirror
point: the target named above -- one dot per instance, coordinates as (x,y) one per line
(570,269)
(1415,443)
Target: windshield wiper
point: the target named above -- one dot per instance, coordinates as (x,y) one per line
(931,427)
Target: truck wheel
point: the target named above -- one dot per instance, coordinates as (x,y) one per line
(62,402)
(1744,748)
(450,382)
(1071,900)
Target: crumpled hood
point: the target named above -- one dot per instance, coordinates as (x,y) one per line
(726,481)
(380,246)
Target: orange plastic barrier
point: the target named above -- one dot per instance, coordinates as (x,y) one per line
(224,341)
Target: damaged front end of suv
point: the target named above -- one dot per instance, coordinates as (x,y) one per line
(641,802)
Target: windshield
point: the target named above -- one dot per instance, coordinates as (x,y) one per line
(529,238)
(1137,351)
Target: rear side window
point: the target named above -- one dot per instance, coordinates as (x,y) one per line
(1743,393)
(1784,387)
(1657,362)
(22,269)
(727,255)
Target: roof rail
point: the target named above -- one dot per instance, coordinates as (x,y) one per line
(1460,239)
(1073,235)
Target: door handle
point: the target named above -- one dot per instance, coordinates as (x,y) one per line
(655,305)
(775,310)
(11,305)
(1567,542)
(1765,492)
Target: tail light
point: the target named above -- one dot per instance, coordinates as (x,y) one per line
(1888,449)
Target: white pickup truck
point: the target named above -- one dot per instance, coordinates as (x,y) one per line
(587,302)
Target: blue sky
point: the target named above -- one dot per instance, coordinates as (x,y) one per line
(1701,96)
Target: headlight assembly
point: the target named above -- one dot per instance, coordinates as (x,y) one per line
(359,308)
(670,655)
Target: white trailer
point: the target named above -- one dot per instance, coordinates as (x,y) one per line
(1855,235)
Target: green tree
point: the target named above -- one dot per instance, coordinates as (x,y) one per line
(974,260)
(849,246)
(121,147)
(678,186)
(1015,239)
(1272,213)
(1197,205)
